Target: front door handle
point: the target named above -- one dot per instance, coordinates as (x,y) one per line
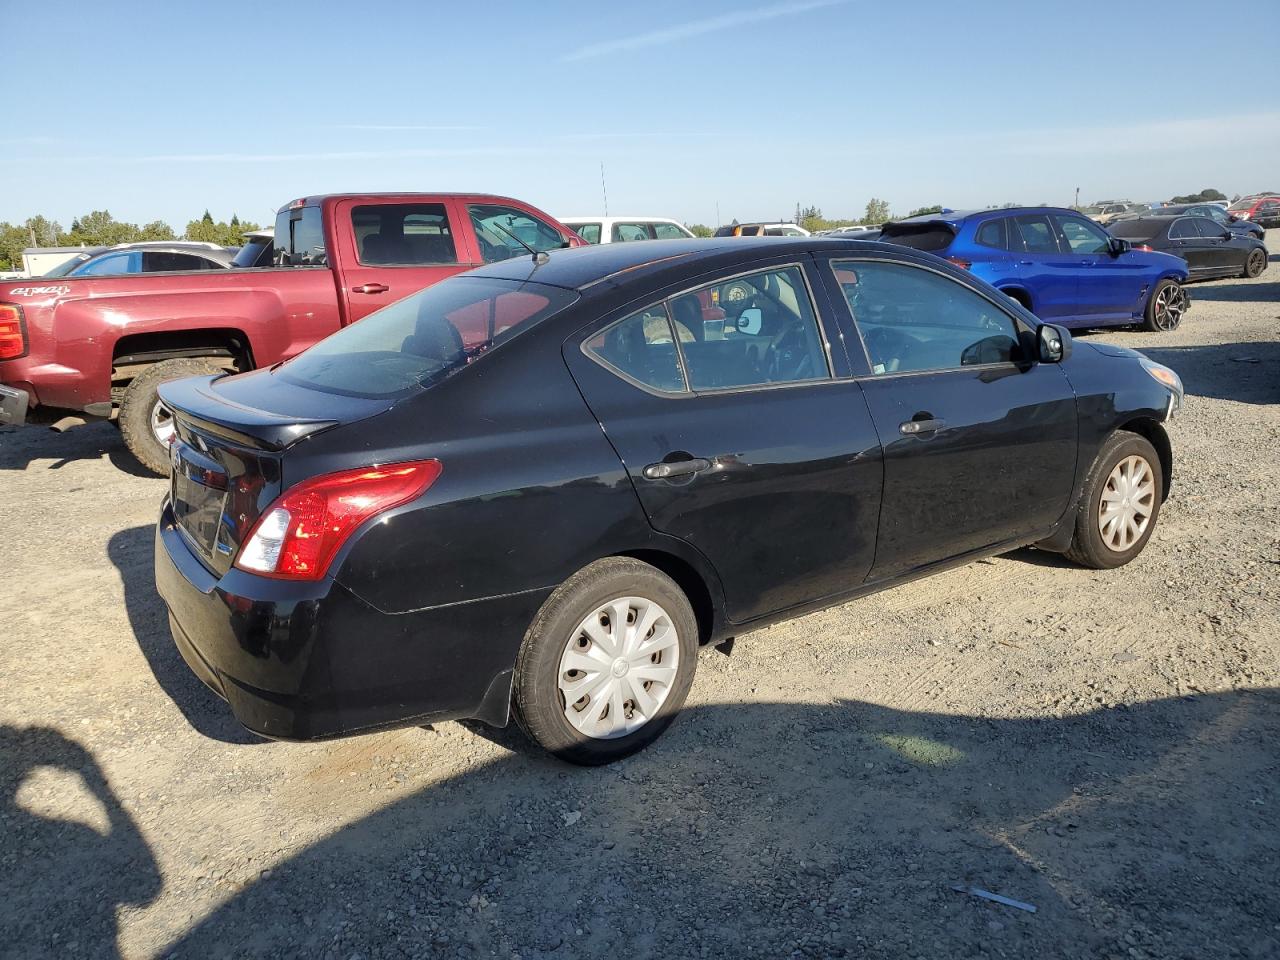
(681,468)
(913,428)
(371,288)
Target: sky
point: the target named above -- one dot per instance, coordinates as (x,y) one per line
(702,111)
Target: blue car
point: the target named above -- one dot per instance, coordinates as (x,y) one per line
(1057,263)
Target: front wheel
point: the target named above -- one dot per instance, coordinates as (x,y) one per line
(1256,263)
(145,424)
(607,663)
(1120,505)
(1165,307)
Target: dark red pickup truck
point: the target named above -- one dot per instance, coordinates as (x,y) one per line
(74,349)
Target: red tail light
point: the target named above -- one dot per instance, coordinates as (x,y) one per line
(961,263)
(13,333)
(1144,246)
(300,534)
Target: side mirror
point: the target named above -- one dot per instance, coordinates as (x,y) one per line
(1053,342)
(1118,246)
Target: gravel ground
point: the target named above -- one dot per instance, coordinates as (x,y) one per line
(1102,745)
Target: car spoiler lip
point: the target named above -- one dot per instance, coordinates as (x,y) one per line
(192,399)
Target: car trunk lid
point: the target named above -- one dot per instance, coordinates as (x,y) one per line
(231,434)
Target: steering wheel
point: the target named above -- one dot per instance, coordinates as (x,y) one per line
(888,347)
(787,357)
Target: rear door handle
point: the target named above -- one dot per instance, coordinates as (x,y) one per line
(911,428)
(371,288)
(681,468)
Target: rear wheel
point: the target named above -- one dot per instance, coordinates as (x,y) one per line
(1165,307)
(1255,264)
(1121,503)
(607,663)
(147,427)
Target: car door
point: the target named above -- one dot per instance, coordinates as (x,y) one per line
(979,441)
(1050,273)
(391,250)
(1224,251)
(1185,241)
(1110,284)
(749,442)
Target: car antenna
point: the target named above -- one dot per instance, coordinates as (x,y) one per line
(539,256)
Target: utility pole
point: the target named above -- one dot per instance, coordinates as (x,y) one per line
(604,190)
(1077,198)
(717,214)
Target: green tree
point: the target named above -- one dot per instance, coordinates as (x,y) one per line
(14,238)
(156,230)
(207,230)
(45,232)
(877,211)
(700,230)
(1203,195)
(208,217)
(99,228)
(921,211)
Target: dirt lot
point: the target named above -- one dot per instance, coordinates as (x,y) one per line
(1101,745)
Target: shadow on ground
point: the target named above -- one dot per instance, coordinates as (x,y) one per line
(20,446)
(131,551)
(1252,292)
(1138,832)
(1244,372)
(62,877)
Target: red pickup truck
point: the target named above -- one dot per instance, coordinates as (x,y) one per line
(75,349)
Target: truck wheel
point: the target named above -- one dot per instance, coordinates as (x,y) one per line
(147,427)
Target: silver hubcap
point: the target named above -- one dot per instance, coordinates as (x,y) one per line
(1171,303)
(162,424)
(1127,501)
(618,668)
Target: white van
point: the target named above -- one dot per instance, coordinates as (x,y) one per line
(619,229)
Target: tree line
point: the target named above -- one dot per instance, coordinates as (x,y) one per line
(100,229)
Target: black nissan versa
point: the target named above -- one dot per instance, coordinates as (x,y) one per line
(537,487)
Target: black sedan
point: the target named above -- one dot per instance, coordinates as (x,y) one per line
(538,487)
(1210,249)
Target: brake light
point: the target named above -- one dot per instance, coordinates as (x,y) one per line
(299,535)
(1145,247)
(13,334)
(960,262)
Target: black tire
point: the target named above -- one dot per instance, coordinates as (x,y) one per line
(539,704)
(1158,317)
(140,399)
(1255,264)
(1088,548)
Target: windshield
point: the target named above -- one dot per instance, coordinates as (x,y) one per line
(919,236)
(425,337)
(1091,211)
(62,269)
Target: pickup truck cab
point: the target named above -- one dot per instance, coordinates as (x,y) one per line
(74,349)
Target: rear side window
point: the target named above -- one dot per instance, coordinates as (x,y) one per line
(157,261)
(403,234)
(642,348)
(1135,229)
(1184,229)
(668,231)
(299,239)
(992,234)
(630,231)
(913,320)
(589,232)
(425,337)
(921,236)
(505,232)
(753,330)
(1036,234)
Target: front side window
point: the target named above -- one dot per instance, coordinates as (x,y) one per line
(403,234)
(299,238)
(425,337)
(1184,229)
(111,265)
(1082,236)
(913,320)
(1037,234)
(505,232)
(1208,228)
(763,332)
(623,232)
(589,232)
(669,231)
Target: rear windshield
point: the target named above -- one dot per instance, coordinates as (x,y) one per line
(919,236)
(425,337)
(256,252)
(1135,229)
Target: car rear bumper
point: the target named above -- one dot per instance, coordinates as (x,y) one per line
(310,661)
(13,406)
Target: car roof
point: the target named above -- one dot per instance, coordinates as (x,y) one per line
(584,267)
(954,218)
(593,218)
(320,199)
